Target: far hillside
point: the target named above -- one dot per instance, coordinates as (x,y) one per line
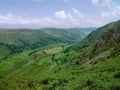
(17,40)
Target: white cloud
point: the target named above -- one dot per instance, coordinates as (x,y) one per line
(12,19)
(78,13)
(106,14)
(112,13)
(95,2)
(94,22)
(59,19)
(103,3)
(64,16)
(47,21)
(61,14)
(64,19)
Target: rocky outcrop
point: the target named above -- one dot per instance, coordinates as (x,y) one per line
(108,40)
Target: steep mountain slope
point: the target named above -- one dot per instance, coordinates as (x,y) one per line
(107,45)
(18,40)
(109,39)
(92,38)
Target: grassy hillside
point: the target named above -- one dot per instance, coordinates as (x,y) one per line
(51,67)
(17,40)
(93,37)
(16,36)
(43,74)
(108,42)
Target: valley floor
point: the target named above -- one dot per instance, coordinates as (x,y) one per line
(36,71)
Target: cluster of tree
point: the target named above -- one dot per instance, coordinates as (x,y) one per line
(12,48)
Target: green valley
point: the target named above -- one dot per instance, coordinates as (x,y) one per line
(60,59)
(17,40)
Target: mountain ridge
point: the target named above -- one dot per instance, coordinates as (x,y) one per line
(107,43)
(18,40)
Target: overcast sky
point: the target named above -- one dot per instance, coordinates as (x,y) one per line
(57,13)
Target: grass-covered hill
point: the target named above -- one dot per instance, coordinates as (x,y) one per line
(18,40)
(58,67)
(94,36)
(31,36)
(105,44)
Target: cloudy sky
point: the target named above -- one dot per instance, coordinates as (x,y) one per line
(57,13)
